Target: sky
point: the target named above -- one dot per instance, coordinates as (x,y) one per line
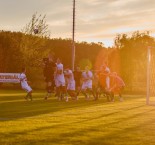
(96,20)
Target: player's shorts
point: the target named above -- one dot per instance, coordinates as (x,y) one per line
(27,88)
(87,85)
(60,80)
(59,83)
(71,86)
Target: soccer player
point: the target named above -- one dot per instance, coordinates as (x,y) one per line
(96,85)
(106,71)
(70,83)
(24,85)
(60,81)
(77,77)
(48,71)
(104,77)
(87,77)
(117,86)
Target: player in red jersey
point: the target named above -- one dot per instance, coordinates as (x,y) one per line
(117,86)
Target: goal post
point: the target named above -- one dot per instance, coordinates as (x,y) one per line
(148,75)
(150,86)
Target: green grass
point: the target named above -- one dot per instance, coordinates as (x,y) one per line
(75,123)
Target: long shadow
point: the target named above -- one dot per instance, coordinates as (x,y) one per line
(120,136)
(21,109)
(120,120)
(102,140)
(64,137)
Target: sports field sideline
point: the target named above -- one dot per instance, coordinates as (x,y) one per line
(78,123)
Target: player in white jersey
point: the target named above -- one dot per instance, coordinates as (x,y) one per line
(24,85)
(60,81)
(87,77)
(70,83)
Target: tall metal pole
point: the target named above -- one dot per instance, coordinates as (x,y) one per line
(73,37)
(148,76)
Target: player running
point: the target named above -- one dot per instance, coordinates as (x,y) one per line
(104,78)
(70,83)
(24,85)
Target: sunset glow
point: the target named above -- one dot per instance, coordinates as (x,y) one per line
(96,20)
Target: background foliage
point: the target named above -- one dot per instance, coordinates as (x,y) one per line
(127,57)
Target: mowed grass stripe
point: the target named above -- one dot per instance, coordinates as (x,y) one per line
(84,122)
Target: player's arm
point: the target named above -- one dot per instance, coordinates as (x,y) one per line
(22,77)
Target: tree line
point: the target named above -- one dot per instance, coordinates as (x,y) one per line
(128,56)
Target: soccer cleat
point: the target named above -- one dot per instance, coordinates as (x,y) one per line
(30,97)
(45,98)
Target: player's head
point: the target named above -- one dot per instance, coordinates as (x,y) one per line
(67,68)
(46,60)
(103,66)
(23,69)
(78,68)
(58,60)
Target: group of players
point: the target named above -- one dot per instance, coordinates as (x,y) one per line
(65,83)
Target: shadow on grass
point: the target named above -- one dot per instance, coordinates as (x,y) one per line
(19,109)
(118,134)
(22,109)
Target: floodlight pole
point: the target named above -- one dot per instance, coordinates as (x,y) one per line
(148,75)
(73,37)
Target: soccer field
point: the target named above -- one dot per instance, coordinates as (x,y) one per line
(75,123)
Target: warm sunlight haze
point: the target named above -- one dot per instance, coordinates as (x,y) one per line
(77,72)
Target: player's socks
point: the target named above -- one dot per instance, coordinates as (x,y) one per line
(67,99)
(120,97)
(45,98)
(78,93)
(62,97)
(25,97)
(112,97)
(30,96)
